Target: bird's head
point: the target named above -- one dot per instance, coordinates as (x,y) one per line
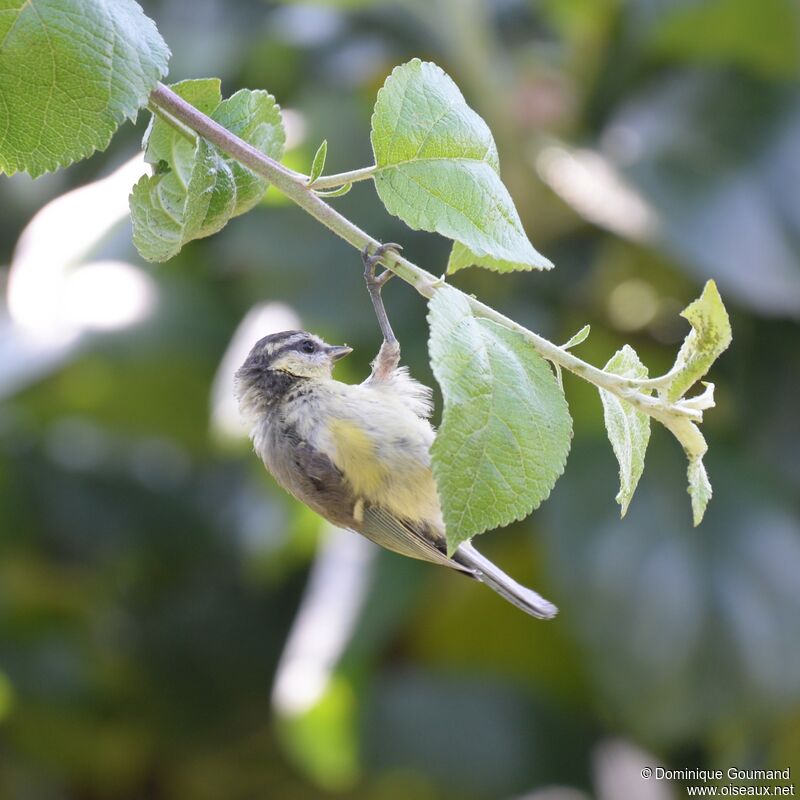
(280,359)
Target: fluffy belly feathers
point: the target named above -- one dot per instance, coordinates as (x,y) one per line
(386,459)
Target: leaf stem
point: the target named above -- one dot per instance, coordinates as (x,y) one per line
(341,178)
(175,124)
(293,185)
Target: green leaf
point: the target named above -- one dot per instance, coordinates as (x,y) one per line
(196,189)
(70,74)
(575,340)
(161,139)
(437,169)
(695,447)
(710,336)
(318,164)
(578,338)
(255,117)
(462,257)
(194,199)
(699,489)
(628,428)
(506,428)
(222,199)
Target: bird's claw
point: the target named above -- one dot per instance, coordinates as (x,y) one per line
(371,261)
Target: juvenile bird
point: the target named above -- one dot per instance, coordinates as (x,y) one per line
(359,454)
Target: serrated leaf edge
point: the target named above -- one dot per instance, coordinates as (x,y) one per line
(436,468)
(117,118)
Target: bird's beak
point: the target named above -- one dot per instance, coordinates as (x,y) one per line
(337,352)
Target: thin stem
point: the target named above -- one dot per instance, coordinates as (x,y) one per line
(175,124)
(341,178)
(293,185)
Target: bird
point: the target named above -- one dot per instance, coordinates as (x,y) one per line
(359,454)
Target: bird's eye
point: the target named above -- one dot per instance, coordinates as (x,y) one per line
(307,346)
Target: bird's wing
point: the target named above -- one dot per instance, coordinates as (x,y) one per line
(314,479)
(385,529)
(317,467)
(321,485)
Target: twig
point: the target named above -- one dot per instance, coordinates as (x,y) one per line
(293,185)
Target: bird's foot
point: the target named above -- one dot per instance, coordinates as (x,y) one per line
(374,281)
(374,285)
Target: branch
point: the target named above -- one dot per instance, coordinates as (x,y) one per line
(294,186)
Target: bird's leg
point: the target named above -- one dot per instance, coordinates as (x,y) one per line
(389,355)
(375,284)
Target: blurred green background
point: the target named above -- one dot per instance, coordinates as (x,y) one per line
(172,626)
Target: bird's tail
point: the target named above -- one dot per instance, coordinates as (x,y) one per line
(486,572)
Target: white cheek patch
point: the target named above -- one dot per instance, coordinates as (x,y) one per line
(292,362)
(302,365)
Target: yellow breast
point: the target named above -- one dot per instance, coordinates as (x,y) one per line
(402,484)
(357,458)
